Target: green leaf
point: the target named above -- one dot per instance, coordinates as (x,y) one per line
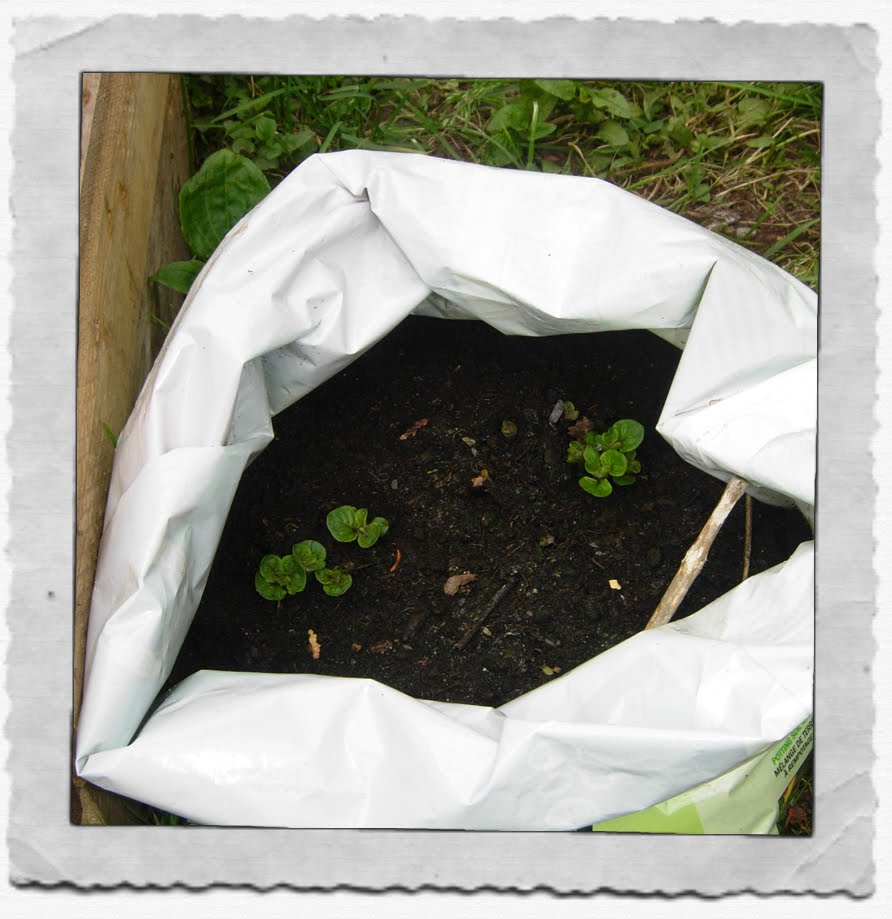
(272,150)
(296,579)
(265,163)
(243,145)
(679,132)
(613,133)
(382,524)
(361,517)
(653,127)
(289,565)
(624,479)
(629,433)
(178,276)
(614,462)
(265,128)
(600,488)
(543,129)
(753,110)
(518,116)
(270,567)
(514,116)
(337,588)
(591,456)
(298,139)
(575,452)
(277,575)
(370,533)
(634,466)
(341,523)
(310,554)
(563,89)
(609,440)
(266,590)
(211,203)
(530,93)
(611,101)
(650,99)
(551,167)
(239,131)
(334,581)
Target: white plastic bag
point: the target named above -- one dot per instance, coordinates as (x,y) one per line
(331,261)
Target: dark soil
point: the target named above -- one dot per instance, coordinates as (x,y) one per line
(529,526)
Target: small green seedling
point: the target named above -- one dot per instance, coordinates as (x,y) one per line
(310,555)
(278,576)
(334,581)
(347,523)
(608,456)
(287,574)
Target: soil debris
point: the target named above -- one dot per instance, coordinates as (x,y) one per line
(414,428)
(456,581)
(313,645)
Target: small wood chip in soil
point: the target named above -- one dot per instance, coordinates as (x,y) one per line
(414,428)
(457,581)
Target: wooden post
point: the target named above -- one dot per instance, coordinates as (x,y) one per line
(134,159)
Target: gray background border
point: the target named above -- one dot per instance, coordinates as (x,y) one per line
(43,847)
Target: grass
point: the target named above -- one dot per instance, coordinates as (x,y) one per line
(742,159)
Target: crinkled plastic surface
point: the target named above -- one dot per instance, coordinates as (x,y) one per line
(330,262)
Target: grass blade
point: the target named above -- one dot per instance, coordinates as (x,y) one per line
(259,102)
(771,251)
(330,136)
(110,434)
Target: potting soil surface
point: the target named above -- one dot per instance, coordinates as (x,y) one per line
(413,431)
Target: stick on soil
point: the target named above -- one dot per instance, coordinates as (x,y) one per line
(695,557)
(499,595)
(747,538)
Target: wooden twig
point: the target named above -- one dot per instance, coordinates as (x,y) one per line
(499,595)
(695,557)
(747,537)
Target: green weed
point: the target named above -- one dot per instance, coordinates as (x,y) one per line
(742,159)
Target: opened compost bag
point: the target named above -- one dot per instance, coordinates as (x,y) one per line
(342,251)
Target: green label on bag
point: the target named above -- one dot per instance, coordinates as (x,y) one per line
(745,800)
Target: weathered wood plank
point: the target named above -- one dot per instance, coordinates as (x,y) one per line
(134,159)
